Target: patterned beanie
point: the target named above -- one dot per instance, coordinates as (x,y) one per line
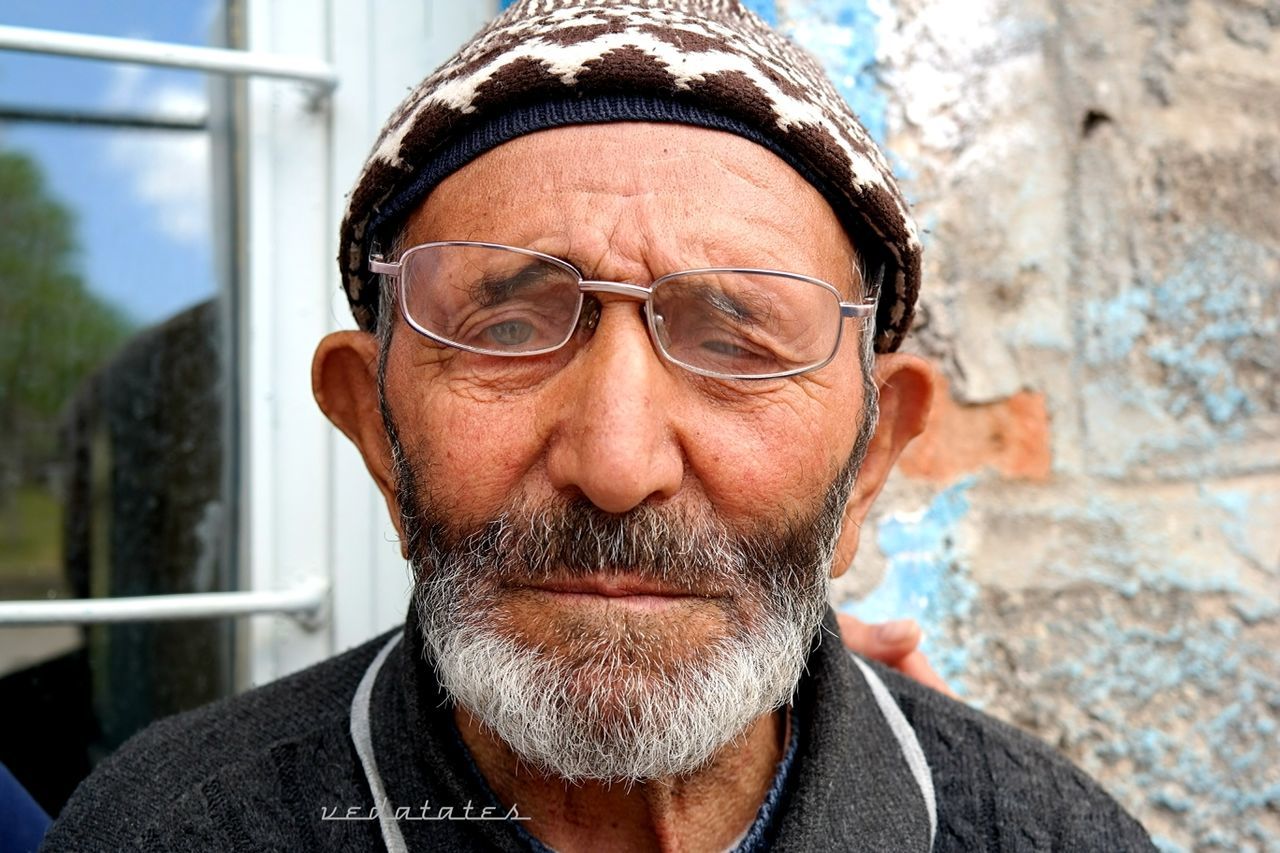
(708,63)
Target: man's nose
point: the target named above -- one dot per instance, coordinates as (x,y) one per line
(614,438)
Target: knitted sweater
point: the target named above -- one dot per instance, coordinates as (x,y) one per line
(261,770)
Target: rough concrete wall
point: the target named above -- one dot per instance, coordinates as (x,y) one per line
(1090,530)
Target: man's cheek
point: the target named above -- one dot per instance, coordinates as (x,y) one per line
(479,459)
(744,466)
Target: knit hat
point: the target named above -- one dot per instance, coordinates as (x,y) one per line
(710,63)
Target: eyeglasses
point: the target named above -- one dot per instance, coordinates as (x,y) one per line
(725,323)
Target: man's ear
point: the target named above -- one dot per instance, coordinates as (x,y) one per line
(344,379)
(906,393)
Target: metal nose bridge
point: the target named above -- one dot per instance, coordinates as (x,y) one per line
(621,288)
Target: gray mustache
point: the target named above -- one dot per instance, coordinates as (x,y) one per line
(577,539)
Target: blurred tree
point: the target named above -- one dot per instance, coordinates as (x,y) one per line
(53,331)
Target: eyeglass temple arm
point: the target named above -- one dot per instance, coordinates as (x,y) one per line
(381,267)
(867,307)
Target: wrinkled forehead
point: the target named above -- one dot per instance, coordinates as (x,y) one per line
(640,199)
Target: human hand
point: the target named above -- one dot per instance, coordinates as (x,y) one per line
(894,644)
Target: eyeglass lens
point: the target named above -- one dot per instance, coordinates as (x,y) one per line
(491,300)
(745,324)
(504,302)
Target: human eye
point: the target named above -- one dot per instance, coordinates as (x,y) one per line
(714,342)
(731,351)
(510,333)
(521,311)
(695,330)
(513,329)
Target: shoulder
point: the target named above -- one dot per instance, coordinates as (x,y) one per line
(218,762)
(999,788)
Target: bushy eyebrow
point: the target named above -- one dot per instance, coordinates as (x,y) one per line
(752,311)
(496,288)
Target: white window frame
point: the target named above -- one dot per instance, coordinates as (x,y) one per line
(315,539)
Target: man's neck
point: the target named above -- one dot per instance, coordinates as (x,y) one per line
(708,811)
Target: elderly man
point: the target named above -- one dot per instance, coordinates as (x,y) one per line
(630,280)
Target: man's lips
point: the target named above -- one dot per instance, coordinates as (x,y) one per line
(620,589)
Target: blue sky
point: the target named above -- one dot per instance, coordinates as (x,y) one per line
(141,198)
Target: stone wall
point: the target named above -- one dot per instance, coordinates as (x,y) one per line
(1090,530)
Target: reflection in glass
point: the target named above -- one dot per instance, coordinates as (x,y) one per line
(115,401)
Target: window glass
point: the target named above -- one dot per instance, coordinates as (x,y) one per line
(116,379)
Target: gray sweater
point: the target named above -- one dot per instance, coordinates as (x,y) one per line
(262,770)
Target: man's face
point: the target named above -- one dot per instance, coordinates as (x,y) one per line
(598,517)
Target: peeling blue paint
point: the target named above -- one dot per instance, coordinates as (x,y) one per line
(1164,845)
(1239,510)
(1133,560)
(1117,324)
(1199,326)
(1188,705)
(842,35)
(1206,758)
(926,579)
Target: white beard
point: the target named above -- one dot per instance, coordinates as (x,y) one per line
(607,720)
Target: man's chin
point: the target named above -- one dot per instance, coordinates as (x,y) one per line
(601,704)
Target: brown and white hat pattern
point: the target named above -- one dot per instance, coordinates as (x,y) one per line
(546,63)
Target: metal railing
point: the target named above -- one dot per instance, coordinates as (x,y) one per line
(96,118)
(307,603)
(218,60)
